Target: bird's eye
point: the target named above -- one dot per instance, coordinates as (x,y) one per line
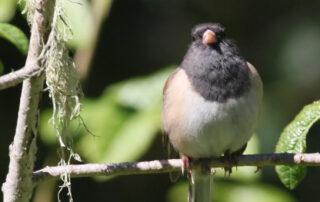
(193,38)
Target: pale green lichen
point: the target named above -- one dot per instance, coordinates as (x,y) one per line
(62,82)
(61,77)
(28,9)
(64,88)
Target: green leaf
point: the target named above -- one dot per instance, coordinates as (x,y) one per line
(293,140)
(80,18)
(291,176)
(7,10)
(15,36)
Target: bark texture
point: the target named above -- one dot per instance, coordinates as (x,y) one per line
(18,185)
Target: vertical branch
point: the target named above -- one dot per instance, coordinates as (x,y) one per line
(18,185)
(83,56)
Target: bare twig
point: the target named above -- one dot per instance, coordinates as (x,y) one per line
(163,166)
(18,185)
(16,77)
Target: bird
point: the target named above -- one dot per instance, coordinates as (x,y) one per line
(211,104)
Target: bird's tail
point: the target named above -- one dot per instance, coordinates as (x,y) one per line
(200,186)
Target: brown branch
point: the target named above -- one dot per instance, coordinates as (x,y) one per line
(18,185)
(16,77)
(164,166)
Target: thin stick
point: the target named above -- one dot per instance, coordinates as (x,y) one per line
(16,77)
(164,166)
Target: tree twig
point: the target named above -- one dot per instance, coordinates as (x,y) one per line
(16,77)
(163,166)
(18,185)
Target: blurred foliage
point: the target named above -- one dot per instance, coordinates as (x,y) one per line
(123,121)
(293,140)
(1,67)
(234,191)
(15,36)
(80,19)
(299,55)
(7,10)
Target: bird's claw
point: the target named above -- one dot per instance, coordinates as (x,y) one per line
(186,165)
(232,159)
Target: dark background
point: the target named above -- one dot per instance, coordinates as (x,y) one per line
(281,38)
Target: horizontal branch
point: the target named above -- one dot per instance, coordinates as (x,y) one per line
(16,77)
(163,166)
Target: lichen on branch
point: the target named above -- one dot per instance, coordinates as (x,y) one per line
(63,85)
(62,82)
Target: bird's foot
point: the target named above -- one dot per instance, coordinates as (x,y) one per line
(212,171)
(232,159)
(186,161)
(186,165)
(227,171)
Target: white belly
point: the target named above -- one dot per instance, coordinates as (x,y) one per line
(212,128)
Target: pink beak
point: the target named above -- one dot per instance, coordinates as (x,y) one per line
(209,37)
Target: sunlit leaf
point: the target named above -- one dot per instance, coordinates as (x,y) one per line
(7,10)
(15,36)
(293,140)
(79,15)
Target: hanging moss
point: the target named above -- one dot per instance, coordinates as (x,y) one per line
(62,82)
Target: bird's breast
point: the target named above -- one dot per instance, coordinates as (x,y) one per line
(202,128)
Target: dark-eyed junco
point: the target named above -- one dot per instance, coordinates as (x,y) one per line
(211,102)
